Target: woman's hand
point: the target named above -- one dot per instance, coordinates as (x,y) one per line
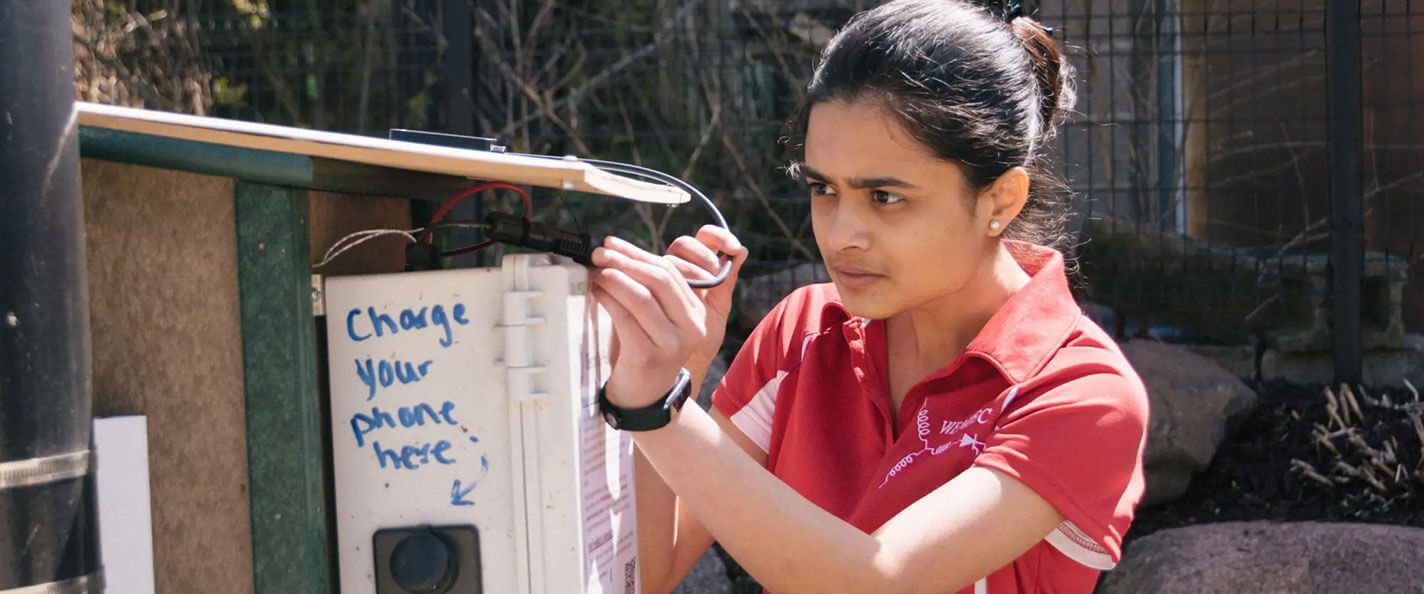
(660,323)
(697,258)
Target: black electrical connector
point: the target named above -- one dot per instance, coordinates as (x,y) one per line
(421,256)
(519,231)
(654,175)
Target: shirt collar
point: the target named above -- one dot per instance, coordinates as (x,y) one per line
(1028,329)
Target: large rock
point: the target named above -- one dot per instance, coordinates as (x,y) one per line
(1234,294)
(709,576)
(1237,359)
(1192,400)
(1268,557)
(1379,367)
(1124,257)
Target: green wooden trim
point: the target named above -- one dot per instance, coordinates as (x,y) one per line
(287,471)
(283,169)
(265,167)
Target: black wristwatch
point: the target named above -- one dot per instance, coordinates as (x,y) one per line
(649,417)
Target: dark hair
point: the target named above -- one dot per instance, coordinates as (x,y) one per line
(976,89)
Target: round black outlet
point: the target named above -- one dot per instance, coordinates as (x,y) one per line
(421,563)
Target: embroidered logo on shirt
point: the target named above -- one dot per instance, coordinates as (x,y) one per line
(936,441)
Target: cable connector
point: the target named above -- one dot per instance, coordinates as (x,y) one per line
(421,256)
(516,230)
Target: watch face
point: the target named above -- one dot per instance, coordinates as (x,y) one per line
(681,391)
(685,390)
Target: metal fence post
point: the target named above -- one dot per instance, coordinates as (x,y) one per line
(457,24)
(48,525)
(1347,260)
(458,109)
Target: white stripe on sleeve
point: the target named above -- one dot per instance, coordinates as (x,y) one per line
(1071,541)
(755,418)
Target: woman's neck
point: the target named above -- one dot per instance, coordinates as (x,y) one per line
(926,338)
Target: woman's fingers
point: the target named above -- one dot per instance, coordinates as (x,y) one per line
(721,240)
(643,311)
(695,252)
(675,321)
(626,328)
(648,298)
(688,270)
(661,279)
(637,254)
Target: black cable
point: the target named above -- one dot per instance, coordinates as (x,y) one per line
(658,176)
(446,225)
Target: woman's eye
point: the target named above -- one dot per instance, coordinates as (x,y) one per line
(883,197)
(820,189)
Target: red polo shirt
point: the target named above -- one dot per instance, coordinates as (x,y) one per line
(1041,394)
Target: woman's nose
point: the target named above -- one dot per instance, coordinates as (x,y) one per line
(847,228)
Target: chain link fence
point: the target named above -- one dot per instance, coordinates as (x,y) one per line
(1202,167)
(1198,162)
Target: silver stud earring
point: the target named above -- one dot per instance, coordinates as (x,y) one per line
(994,225)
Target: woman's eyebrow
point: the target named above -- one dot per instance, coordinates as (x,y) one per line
(884,181)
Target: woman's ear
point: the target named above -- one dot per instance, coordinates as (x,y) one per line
(1004,199)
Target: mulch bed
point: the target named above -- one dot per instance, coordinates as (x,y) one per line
(1262,471)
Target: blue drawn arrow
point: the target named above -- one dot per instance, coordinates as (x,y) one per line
(459,492)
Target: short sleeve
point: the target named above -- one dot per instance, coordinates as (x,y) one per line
(747,393)
(1078,443)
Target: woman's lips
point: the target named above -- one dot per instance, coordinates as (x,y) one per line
(855,278)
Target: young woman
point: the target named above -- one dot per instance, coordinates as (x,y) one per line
(939,418)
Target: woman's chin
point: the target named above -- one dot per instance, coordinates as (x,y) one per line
(865,306)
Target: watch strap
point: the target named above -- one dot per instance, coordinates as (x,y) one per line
(653,416)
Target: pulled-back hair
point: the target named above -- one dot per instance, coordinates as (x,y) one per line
(976,89)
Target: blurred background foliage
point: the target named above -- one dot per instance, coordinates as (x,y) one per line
(1196,158)
(695,88)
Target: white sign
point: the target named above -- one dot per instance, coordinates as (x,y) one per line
(466,397)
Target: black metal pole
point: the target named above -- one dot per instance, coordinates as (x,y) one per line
(458,22)
(1347,212)
(48,528)
(458,26)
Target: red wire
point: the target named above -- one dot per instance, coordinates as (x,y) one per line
(457,198)
(445,208)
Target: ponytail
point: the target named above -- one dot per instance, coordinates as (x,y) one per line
(1054,75)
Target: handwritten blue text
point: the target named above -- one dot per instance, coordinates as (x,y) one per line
(406,416)
(375,324)
(385,373)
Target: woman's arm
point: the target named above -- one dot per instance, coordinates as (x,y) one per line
(670,539)
(964,530)
(958,533)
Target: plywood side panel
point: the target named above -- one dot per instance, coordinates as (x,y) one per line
(161,253)
(335,215)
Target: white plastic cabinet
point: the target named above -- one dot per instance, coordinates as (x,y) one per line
(467,398)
